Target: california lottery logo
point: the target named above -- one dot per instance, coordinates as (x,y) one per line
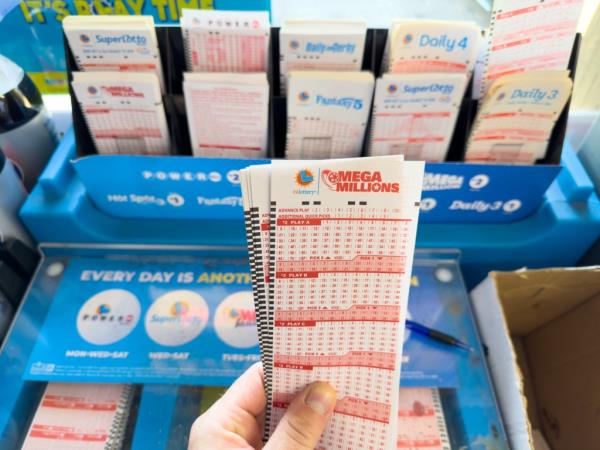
(294,45)
(303,96)
(179,309)
(305,178)
(500,96)
(108,316)
(176,318)
(103,309)
(240,317)
(392,88)
(235,320)
(92,90)
(408,38)
(84,38)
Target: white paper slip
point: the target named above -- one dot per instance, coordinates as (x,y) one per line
(342,240)
(417,46)
(331,45)
(226,41)
(75,416)
(421,421)
(415,114)
(227,114)
(530,35)
(114,43)
(327,114)
(330,292)
(124,112)
(516,117)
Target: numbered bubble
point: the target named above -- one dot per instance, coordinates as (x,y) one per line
(235,320)
(108,316)
(176,318)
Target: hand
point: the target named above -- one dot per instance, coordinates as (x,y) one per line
(236,420)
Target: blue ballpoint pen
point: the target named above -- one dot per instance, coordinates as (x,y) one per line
(437,335)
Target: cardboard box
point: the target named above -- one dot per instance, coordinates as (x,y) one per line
(541,328)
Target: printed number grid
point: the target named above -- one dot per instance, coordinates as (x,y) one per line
(143,133)
(228,51)
(530,36)
(314,138)
(421,422)
(320,265)
(418,134)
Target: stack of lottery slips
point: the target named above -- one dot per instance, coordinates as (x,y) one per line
(421,420)
(124,112)
(529,35)
(103,43)
(76,416)
(332,45)
(331,246)
(228,113)
(422,46)
(427,66)
(414,114)
(517,116)
(226,41)
(327,114)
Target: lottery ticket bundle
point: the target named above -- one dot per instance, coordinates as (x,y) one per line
(516,117)
(114,43)
(226,41)
(124,112)
(421,421)
(331,245)
(529,35)
(415,114)
(75,416)
(418,46)
(330,45)
(227,113)
(328,114)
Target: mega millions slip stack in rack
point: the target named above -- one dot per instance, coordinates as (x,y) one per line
(331,291)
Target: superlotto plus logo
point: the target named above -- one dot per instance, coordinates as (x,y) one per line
(357,181)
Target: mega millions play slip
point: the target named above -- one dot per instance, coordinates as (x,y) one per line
(331,246)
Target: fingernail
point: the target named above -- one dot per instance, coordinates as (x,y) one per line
(320,398)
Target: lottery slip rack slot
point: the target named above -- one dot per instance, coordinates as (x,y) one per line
(172,53)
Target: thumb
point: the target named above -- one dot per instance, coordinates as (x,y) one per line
(304,421)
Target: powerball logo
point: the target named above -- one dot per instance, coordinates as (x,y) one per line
(357,181)
(305,182)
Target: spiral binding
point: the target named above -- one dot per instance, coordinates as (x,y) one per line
(119,426)
(270,319)
(440,419)
(187,49)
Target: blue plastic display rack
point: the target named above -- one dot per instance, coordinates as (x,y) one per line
(562,229)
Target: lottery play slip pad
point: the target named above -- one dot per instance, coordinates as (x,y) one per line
(331,247)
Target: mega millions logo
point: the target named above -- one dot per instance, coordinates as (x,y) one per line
(305,178)
(240,317)
(357,181)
